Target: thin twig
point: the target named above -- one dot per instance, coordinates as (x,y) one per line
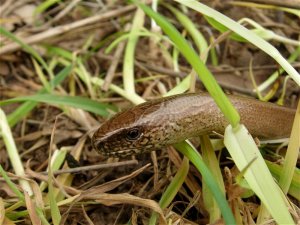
(81,169)
(93,167)
(294,4)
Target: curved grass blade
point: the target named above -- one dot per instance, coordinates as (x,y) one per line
(277,171)
(128,61)
(44,6)
(72,101)
(210,159)
(13,154)
(291,156)
(194,156)
(189,25)
(13,187)
(27,48)
(296,12)
(172,189)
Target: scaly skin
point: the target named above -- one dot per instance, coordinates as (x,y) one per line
(159,123)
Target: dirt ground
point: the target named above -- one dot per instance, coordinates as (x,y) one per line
(144,176)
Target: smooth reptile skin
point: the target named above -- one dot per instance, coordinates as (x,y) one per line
(156,124)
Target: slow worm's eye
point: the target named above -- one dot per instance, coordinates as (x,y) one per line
(100,146)
(133,134)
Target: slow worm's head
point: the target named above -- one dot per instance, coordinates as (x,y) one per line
(131,132)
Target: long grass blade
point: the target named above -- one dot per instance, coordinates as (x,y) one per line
(72,101)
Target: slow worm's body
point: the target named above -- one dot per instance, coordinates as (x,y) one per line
(155,124)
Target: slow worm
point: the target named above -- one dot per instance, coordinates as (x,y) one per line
(162,122)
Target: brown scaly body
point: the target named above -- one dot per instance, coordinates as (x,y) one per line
(156,124)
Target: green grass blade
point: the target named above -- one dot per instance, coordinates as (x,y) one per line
(194,156)
(27,48)
(172,189)
(11,185)
(182,87)
(141,33)
(57,160)
(210,159)
(267,6)
(189,25)
(175,185)
(55,213)
(57,51)
(20,113)
(220,27)
(291,156)
(44,6)
(294,189)
(128,62)
(72,101)
(41,75)
(13,153)
(42,216)
(134,98)
(272,78)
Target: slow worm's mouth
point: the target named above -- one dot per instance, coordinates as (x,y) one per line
(123,152)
